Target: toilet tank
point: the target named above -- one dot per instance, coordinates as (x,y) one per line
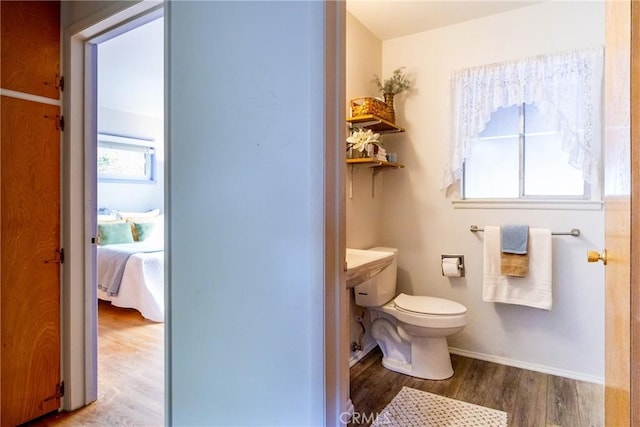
(381,288)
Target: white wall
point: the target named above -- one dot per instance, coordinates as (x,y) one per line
(245,209)
(364,210)
(420,220)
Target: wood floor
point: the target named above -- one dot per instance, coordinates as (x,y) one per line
(530,398)
(130,374)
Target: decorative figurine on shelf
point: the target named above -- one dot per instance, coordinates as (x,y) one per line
(362,143)
(392,86)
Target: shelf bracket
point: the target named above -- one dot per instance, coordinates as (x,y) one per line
(375,165)
(373,183)
(350,181)
(374,172)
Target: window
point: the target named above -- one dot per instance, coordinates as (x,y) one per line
(519,155)
(520,128)
(125,159)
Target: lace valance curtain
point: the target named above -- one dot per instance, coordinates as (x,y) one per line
(566,88)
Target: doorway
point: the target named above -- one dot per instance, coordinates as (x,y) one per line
(80,180)
(128,181)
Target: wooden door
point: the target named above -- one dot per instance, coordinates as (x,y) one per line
(29,211)
(622,205)
(634,317)
(30,230)
(30,47)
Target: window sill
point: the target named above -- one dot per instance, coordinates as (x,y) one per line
(127,181)
(578,205)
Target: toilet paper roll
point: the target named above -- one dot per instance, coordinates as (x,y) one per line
(451,267)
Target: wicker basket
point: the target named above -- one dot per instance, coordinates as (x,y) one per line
(366,105)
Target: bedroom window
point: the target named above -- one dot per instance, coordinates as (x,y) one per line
(519,155)
(126,159)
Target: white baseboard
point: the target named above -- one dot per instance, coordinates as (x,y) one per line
(529,366)
(356,356)
(369,345)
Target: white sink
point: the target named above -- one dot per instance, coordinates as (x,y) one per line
(362,265)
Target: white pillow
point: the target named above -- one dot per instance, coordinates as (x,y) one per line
(129,215)
(107,218)
(157,234)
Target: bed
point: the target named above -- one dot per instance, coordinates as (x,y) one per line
(130,269)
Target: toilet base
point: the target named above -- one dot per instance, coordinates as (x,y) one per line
(430,360)
(418,356)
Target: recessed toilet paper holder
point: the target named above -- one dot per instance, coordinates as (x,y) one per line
(460,259)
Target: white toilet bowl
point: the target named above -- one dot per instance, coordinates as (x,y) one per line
(411,330)
(412,333)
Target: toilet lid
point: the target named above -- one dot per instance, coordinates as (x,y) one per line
(428,305)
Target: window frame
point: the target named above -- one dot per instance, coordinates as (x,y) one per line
(587,188)
(133,144)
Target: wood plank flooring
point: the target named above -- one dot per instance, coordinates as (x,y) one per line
(130,374)
(530,398)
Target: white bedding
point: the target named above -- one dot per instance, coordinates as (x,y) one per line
(142,285)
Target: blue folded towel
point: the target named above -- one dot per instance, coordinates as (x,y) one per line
(514,239)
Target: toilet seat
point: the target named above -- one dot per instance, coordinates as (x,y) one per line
(414,304)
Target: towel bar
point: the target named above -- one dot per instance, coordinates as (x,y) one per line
(575,232)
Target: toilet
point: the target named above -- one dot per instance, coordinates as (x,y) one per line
(411,330)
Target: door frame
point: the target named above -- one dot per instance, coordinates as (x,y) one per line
(635,216)
(79,299)
(336,309)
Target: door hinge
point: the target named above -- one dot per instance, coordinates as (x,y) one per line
(59,258)
(59,392)
(59,121)
(58,84)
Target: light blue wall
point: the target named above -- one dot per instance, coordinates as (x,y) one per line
(245,213)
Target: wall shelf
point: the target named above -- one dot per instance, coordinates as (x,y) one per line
(375,166)
(379,125)
(375,123)
(374,163)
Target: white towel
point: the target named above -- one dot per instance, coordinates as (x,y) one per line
(533,290)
